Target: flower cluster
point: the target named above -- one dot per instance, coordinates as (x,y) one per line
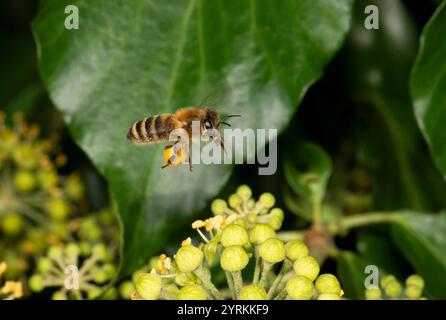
(78,270)
(392,289)
(9,289)
(242,231)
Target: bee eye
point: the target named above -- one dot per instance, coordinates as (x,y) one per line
(207,125)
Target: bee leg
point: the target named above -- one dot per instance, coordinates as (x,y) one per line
(190,164)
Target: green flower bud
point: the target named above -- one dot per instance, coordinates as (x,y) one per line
(373,294)
(72,249)
(234,258)
(244,191)
(250,204)
(261,232)
(59,295)
(272,250)
(235,200)
(12,224)
(234,235)
(74,187)
(393,289)
(94,292)
(36,283)
(44,265)
(100,251)
(25,181)
(109,269)
(188,258)
(328,296)
(47,179)
(170,291)
(58,209)
(296,249)
(253,292)
(307,266)
(413,292)
(300,288)
(55,252)
(267,200)
(99,275)
(126,289)
(218,206)
(192,292)
(85,248)
(386,280)
(415,280)
(328,283)
(148,286)
(240,222)
(110,294)
(185,279)
(252,217)
(276,218)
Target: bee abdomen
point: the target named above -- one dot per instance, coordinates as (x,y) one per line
(152,129)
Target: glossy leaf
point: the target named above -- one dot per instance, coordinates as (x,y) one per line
(428,86)
(133,58)
(351,274)
(422,240)
(307,170)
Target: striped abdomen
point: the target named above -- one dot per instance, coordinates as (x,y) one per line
(152,129)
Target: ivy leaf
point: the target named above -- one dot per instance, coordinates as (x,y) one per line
(133,58)
(351,274)
(428,86)
(422,240)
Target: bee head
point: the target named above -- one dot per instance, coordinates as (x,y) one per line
(211,120)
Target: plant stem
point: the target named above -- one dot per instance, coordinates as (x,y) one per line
(257,268)
(285,267)
(207,284)
(317,211)
(282,295)
(286,236)
(265,271)
(360,220)
(230,281)
(238,282)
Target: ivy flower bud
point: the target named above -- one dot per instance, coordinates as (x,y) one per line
(253,292)
(47,179)
(235,200)
(328,283)
(386,280)
(234,258)
(272,250)
(148,285)
(25,181)
(99,275)
(373,294)
(58,209)
(296,249)
(300,288)
(126,289)
(44,265)
(244,191)
(188,258)
(100,251)
(192,292)
(36,283)
(328,296)
(58,295)
(218,207)
(261,232)
(415,280)
(12,224)
(234,235)
(413,292)
(276,218)
(306,266)
(393,289)
(185,279)
(55,252)
(72,249)
(267,200)
(94,292)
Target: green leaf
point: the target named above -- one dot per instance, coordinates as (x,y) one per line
(386,139)
(133,58)
(351,274)
(428,86)
(307,170)
(422,240)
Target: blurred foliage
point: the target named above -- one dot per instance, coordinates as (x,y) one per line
(357,179)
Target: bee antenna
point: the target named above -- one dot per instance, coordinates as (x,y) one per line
(225,123)
(230,116)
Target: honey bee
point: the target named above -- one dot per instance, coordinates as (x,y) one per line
(157,128)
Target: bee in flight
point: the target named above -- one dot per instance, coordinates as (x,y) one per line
(158,128)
